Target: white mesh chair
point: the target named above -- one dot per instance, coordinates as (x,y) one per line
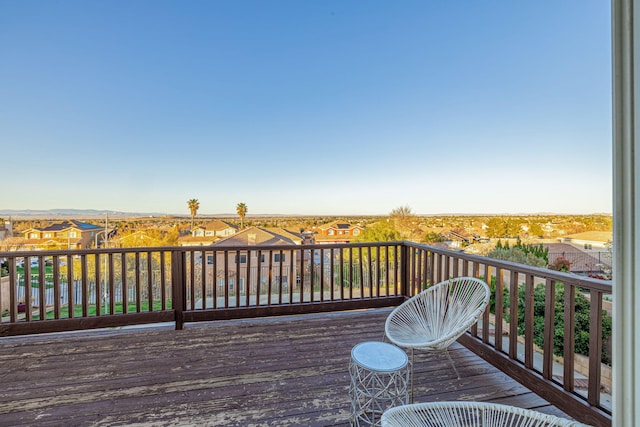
(468,414)
(433,319)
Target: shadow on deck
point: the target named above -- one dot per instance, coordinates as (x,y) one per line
(286,371)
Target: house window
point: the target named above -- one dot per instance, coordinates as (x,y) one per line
(261,257)
(243,259)
(72,234)
(47,234)
(279,258)
(356,232)
(33,235)
(210,259)
(232,282)
(330,232)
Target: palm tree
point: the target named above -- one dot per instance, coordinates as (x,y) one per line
(241,209)
(193,205)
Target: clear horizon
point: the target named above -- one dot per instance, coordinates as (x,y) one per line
(99,213)
(331,108)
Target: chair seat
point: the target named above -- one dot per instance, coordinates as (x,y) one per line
(469,414)
(437,316)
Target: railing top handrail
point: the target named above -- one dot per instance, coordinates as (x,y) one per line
(74,252)
(604,286)
(196,248)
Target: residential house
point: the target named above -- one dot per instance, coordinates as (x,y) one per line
(589,252)
(581,261)
(589,240)
(205,235)
(263,260)
(338,232)
(71,234)
(457,238)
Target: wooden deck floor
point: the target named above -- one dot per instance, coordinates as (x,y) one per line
(288,371)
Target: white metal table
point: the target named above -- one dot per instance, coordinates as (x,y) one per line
(379,378)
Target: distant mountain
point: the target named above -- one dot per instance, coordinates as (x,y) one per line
(70,213)
(97,213)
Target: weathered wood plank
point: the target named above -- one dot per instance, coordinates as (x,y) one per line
(288,371)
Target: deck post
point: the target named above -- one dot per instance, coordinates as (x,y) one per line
(178,286)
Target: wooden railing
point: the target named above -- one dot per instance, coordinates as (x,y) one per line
(510,345)
(67,290)
(73,290)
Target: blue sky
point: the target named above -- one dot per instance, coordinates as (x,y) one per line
(306,107)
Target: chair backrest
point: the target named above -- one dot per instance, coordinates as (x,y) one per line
(437,316)
(458,414)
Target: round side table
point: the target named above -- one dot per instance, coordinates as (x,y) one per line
(379,378)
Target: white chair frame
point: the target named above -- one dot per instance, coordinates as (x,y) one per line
(436,317)
(467,414)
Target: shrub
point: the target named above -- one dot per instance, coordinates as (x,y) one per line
(492,297)
(517,255)
(537,251)
(582,314)
(560,264)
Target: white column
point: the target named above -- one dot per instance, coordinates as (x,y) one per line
(626,215)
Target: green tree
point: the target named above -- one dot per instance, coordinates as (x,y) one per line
(431,237)
(193,205)
(537,250)
(513,226)
(535,229)
(404,221)
(496,227)
(500,226)
(241,210)
(517,255)
(383,231)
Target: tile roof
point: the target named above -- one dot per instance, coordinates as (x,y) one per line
(217,225)
(594,236)
(259,236)
(341,225)
(580,260)
(63,225)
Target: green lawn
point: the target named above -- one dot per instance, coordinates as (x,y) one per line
(131,308)
(77,309)
(48,274)
(48,270)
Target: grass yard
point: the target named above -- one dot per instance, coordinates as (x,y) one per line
(77,310)
(48,270)
(131,308)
